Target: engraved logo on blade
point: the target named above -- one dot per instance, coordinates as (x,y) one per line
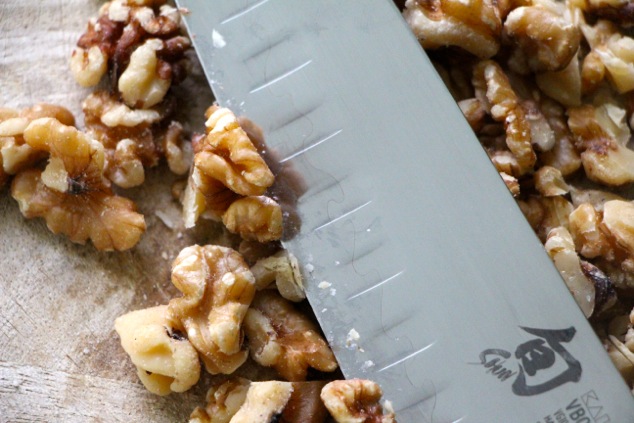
(538,365)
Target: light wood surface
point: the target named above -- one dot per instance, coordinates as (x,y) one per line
(60,359)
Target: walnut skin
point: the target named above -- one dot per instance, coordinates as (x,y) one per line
(71,194)
(281,337)
(217,288)
(355,401)
(166,362)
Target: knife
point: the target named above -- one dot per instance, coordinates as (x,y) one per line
(422,271)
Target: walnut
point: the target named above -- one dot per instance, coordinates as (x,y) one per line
(264,402)
(88,66)
(601,134)
(548,40)
(563,85)
(283,269)
(223,402)
(493,88)
(546,213)
(228,179)
(254,217)
(542,135)
(561,249)
(592,72)
(590,240)
(549,182)
(141,84)
(166,362)
(15,154)
(511,183)
(283,338)
(217,288)
(134,139)
(563,156)
(618,219)
(475,26)
(227,154)
(474,111)
(355,400)
(71,194)
(239,400)
(618,57)
(139,41)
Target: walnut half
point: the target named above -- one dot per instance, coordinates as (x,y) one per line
(217,288)
(166,362)
(72,194)
(281,337)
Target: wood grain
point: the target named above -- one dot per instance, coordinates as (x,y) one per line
(60,359)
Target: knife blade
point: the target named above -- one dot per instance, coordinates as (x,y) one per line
(421,269)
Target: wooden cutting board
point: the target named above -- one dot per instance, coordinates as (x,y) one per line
(60,359)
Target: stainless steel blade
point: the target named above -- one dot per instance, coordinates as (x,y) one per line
(408,237)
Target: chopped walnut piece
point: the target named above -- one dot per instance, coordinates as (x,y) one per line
(262,402)
(227,154)
(15,154)
(564,85)
(252,217)
(134,139)
(542,135)
(223,402)
(474,26)
(474,111)
(141,84)
(217,288)
(511,183)
(228,179)
(166,362)
(72,194)
(561,249)
(618,219)
(601,134)
(546,213)
(493,87)
(355,400)
(283,269)
(563,155)
(549,182)
(548,40)
(88,66)
(586,231)
(617,54)
(592,72)
(281,337)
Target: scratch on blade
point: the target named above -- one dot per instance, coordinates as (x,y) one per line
(286,74)
(338,218)
(407,357)
(378,284)
(311,145)
(243,12)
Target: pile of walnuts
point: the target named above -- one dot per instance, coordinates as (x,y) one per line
(235,305)
(547,87)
